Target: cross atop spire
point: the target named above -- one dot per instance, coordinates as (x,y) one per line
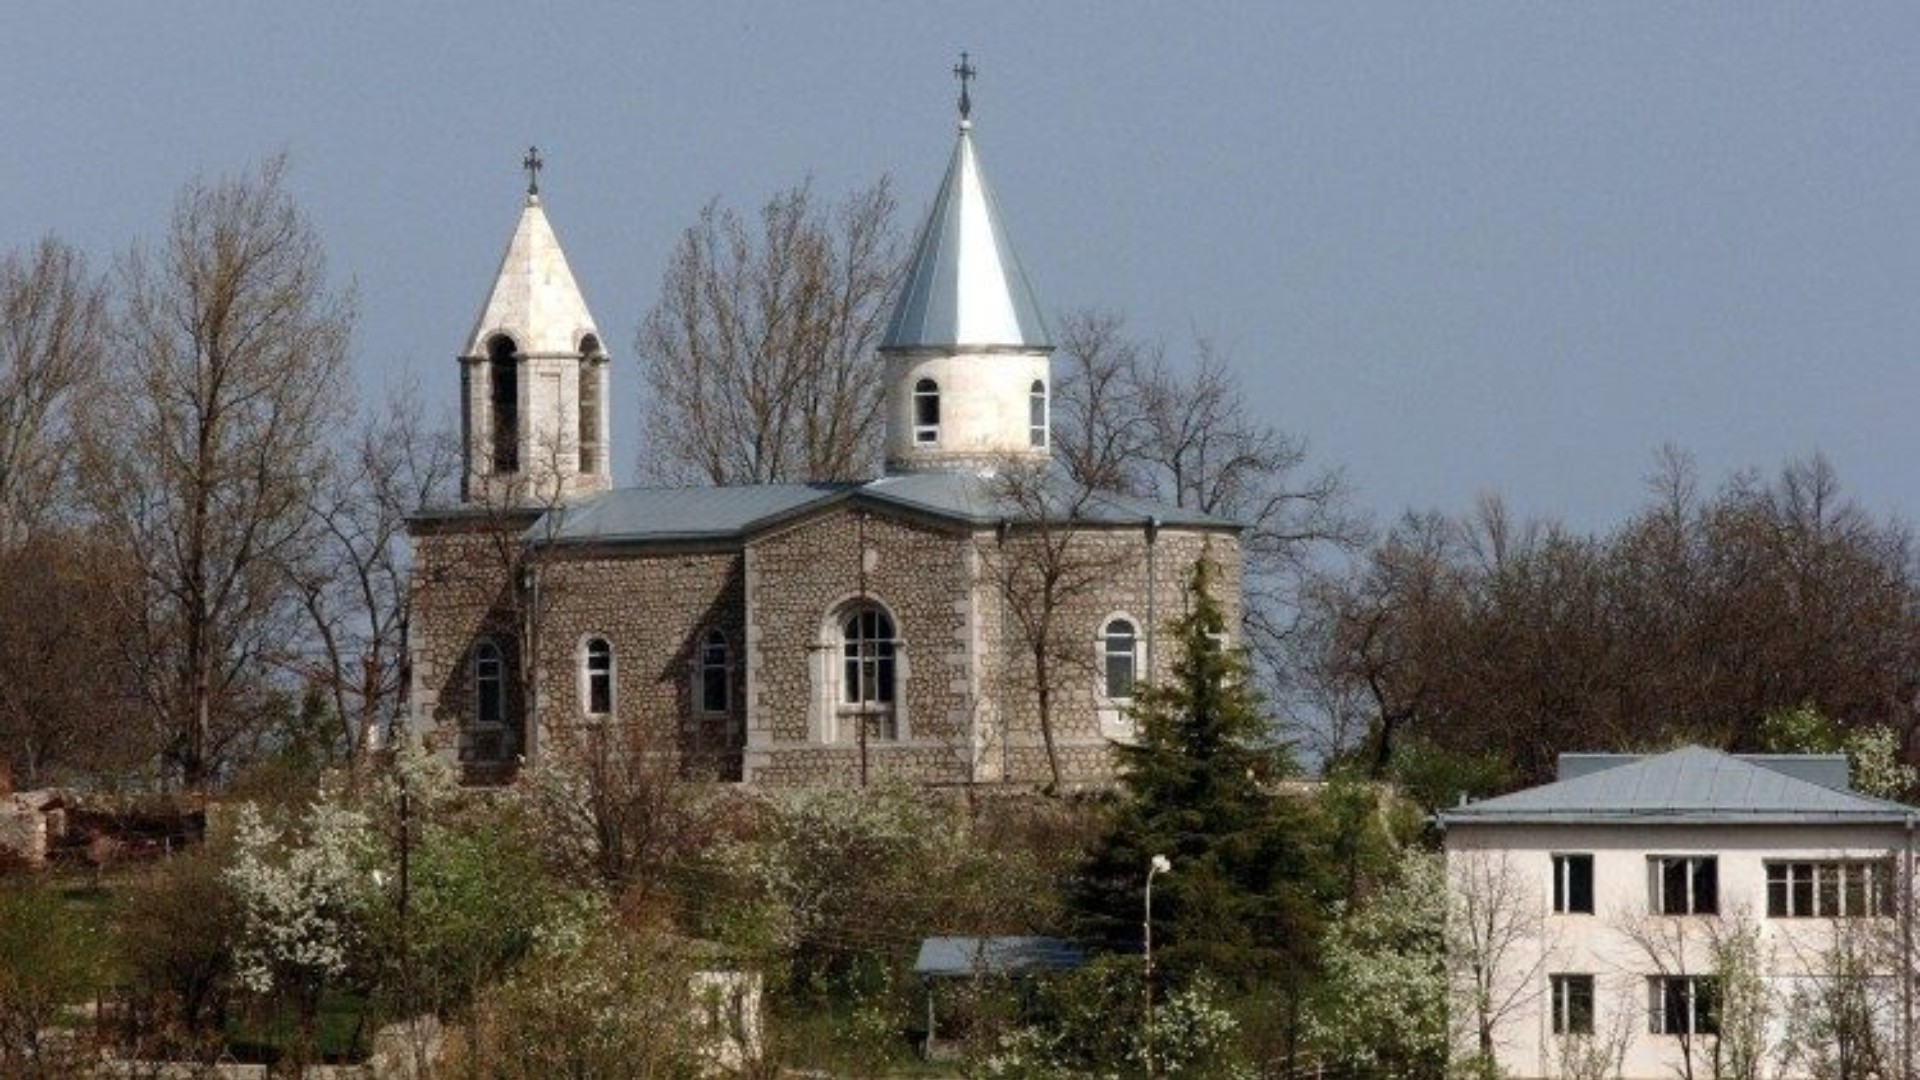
(533,164)
(965,73)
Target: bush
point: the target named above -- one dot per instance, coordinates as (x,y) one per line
(606,1003)
(177,934)
(47,963)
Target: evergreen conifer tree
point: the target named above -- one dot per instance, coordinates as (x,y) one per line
(1239,902)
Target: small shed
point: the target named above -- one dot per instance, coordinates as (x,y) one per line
(951,959)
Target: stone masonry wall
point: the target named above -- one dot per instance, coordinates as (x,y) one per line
(654,609)
(1084,723)
(967,707)
(462,593)
(798,580)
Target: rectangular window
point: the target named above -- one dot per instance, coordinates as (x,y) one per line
(1572,1004)
(716,669)
(1683,1005)
(1837,889)
(589,417)
(1684,884)
(1573,884)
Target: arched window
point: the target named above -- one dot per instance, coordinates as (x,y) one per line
(596,676)
(489,684)
(868,669)
(1037,414)
(503,373)
(926,411)
(590,368)
(1119,644)
(716,673)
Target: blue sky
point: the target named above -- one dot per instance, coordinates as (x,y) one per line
(1460,248)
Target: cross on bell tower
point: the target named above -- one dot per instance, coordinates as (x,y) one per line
(965,73)
(533,164)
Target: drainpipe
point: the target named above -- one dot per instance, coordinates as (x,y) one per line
(1906,962)
(1153,589)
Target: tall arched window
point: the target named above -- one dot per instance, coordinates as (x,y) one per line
(716,673)
(596,677)
(868,670)
(489,684)
(926,411)
(1119,643)
(1037,414)
(590,364)
(503,373)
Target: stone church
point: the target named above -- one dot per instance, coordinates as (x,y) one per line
(796,633)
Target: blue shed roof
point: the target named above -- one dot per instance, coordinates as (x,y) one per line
(964,956)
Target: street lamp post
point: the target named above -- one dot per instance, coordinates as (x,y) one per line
(1159,864)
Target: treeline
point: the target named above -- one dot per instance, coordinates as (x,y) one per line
(1487,639)
(199,533)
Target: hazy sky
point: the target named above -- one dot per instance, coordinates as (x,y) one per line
(1460,248)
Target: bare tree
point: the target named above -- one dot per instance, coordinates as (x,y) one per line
(1099,420)
(1045,563)
(63,687)
(230,373)
(1128,420)
(1730,1006)
(52,339)
(352,577)
(1496,944)
(757,357)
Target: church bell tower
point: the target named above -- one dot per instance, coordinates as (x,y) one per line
(966,352)
(533,377)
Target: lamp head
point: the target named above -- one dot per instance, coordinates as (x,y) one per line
(1160,864)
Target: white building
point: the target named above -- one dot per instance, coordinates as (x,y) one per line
(1605,921)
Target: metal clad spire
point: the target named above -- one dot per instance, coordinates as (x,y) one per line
(964,285)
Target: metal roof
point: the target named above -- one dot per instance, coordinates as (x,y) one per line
(666,514)
(965,286)
(1689,785)
(534,298)
(978,499)
(660,515)
(965,956)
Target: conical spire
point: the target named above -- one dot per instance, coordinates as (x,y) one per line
(965,286)
(534,378)
(534,299)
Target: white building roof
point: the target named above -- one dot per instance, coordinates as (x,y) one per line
(1691,785)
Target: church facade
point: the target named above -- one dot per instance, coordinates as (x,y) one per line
(967,617)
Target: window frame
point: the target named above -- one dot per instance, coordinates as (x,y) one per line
(710,666)
(1110,655)
(1849,888)
(867,671)
(1038,409)
(591,404)
(596,676)
(1683,1005)
(926,412)
(1695,877)
(1572,871)
(487,654)
(503,403)
(1570,996)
